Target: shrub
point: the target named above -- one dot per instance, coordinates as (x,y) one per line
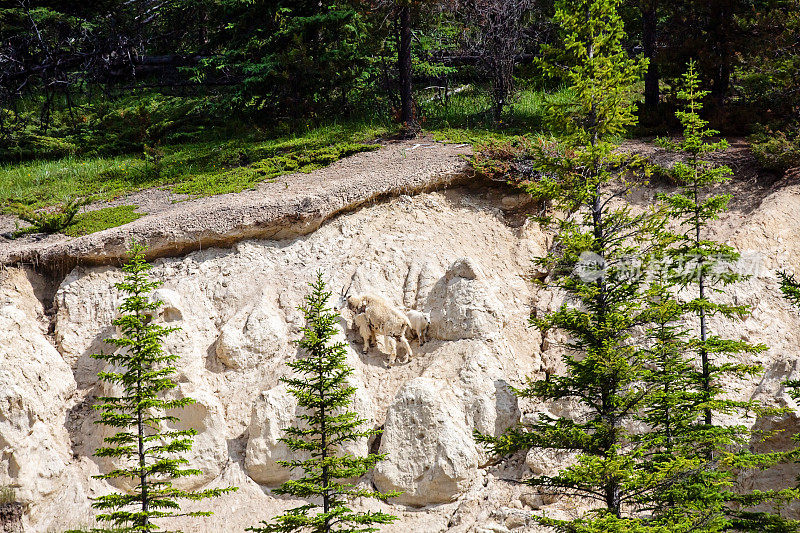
(510,161)
(44,221)
(776,150)
(153,157)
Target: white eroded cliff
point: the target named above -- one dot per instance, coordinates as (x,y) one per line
(459,255)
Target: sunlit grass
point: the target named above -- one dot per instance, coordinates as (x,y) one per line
(39,183)
(185,167)
(234,159)
(100,219)
(467,116)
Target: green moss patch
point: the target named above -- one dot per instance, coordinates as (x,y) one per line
(241,178)
(110,217)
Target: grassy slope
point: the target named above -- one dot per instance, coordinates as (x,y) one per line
(200,169)
(232,164)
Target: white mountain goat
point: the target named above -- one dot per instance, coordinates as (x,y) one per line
(361,323)
(419,323)
(381,318)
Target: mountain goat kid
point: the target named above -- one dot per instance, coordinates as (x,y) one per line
(375,316)
(419,323)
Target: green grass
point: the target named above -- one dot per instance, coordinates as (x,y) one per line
(243,177)
(200,169)
(210,156)
(468,116)
(100,219)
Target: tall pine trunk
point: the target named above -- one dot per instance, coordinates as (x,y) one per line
(326,496)
(701,283)
(719,32)
(649,34)
(140,442)
(407,118)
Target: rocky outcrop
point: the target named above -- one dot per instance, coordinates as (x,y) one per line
(273,411)
(252,335)
(275,210)
(431,453)
(36,385)
(459,255)
(463,305)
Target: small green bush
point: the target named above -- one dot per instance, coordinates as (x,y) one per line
(776,150)
(48,221)
(511,160)
(503,160)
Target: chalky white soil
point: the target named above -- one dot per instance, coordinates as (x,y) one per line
(463,255)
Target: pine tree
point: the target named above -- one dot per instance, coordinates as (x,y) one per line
(694,207)
(582,177)
(790,287)
(693,380)
(321,388)
(688,496)
(149,452)
(791,291)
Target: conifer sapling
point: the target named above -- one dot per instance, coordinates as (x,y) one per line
(145,448)
(324,428)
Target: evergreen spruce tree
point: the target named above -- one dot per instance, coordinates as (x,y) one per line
(321,389)
(790,287)
(791,291)
(695,377)
(703,261)
(688,496)
(582,177)
(147,451)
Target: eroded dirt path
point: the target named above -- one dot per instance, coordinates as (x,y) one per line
(297,204)
(292,205)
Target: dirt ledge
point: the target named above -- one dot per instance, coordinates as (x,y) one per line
(294,205)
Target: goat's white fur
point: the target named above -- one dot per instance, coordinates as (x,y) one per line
(361,323)
(380,317)
(419,323)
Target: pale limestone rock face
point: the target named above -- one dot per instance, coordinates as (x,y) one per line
(452,254)
(431,453)
(172,304)
(253,334)
(544,462)
(209,451)
(86,303)
(273,411)
(489,404)
(36,386)
(206,416)
(463,305)
(186,308)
